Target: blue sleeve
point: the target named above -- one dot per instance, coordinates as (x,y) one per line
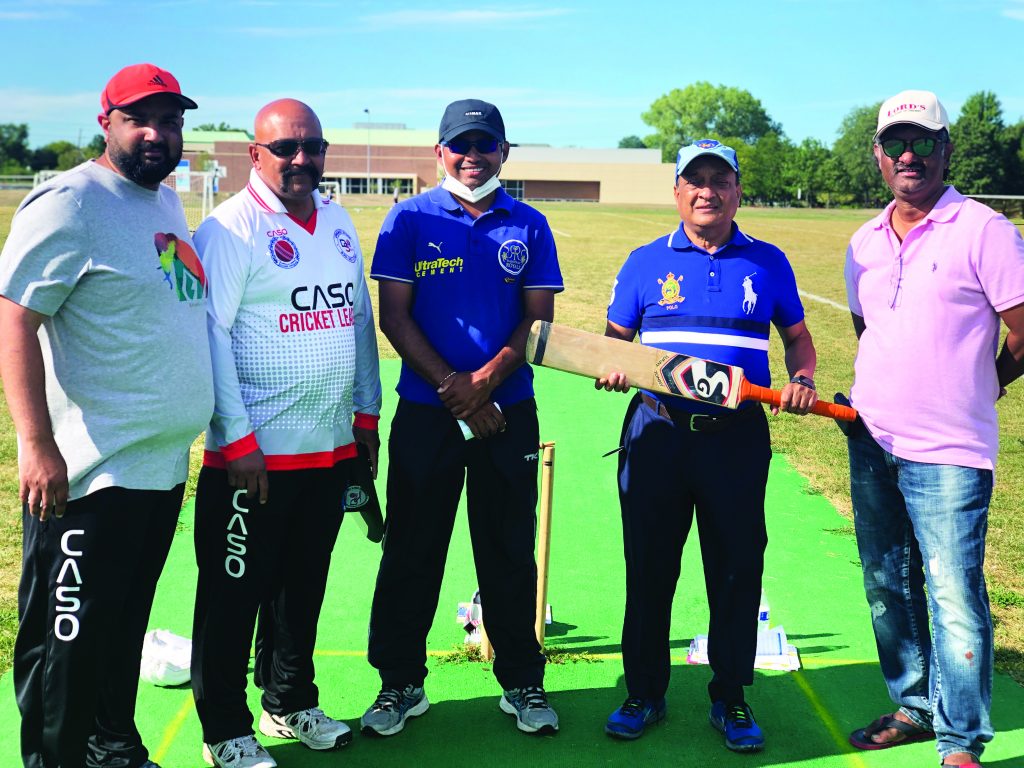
(392,258)
(625,307)
(789,310)
(542,270)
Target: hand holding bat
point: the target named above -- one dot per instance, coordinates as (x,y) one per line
(589,354)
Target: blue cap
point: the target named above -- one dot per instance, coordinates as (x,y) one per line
(471,115)
(703,147)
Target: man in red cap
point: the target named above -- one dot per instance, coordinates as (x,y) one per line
(106,368)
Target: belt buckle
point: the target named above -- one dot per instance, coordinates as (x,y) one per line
(694,422)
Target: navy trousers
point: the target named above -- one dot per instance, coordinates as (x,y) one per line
(669,474)
(429,460)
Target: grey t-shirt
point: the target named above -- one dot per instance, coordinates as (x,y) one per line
(128,376)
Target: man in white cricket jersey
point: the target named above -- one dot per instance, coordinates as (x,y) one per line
(297,386)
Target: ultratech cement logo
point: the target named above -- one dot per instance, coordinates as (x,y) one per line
(442,266)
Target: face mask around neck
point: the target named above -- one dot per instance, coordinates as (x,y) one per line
(460,190)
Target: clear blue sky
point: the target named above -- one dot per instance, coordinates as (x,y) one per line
(563,72)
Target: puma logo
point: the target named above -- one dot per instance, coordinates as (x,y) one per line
(436,246)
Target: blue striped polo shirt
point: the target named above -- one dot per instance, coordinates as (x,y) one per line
(718,306)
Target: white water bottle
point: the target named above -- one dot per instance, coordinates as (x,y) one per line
(763,614)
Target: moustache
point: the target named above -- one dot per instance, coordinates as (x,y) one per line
(916,167)
(300,171)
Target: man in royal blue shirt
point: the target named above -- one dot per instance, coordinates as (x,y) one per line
(464,271)
(706,290)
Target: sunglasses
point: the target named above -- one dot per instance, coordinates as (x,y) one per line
(921,147)
(290,147)
(463,146)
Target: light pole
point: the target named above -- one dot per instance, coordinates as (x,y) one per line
(368,123)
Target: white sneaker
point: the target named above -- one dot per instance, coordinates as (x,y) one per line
(243,752)
(310,726)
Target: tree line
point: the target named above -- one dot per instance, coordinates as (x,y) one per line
(17,158)
(988,155)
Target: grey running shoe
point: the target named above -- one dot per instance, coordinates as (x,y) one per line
(531,708)
(310,726)
(243,752)
(387,715)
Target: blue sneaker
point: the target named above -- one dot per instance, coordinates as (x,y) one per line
(635,714)
(736,721)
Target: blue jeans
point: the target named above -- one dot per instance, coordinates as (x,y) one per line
(924,525)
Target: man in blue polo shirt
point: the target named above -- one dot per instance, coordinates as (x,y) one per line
(464,270)
(710,291)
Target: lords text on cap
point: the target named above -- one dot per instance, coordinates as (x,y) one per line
(471,115)
(138,81)
(702,147)
(921,108)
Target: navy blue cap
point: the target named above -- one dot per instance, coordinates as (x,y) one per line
(471,115)
(703,147)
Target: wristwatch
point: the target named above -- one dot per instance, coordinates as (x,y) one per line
(803,381)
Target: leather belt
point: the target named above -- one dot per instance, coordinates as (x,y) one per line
(700,422)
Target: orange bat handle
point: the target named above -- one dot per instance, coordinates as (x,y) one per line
(750,391)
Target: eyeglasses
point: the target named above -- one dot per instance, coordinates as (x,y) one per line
(463,146)
(290,147)
(921,147)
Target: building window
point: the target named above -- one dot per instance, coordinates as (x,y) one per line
(514,188)
(355,186)
(404,186)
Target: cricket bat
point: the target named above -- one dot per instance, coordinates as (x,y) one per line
(589,354)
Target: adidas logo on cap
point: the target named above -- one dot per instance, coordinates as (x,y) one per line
(157,80)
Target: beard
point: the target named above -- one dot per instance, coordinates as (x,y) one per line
(136,167)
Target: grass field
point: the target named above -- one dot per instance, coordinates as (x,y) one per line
(592,241)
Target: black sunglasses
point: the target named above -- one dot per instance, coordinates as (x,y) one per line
(921,147)
(290,147)
(463,146)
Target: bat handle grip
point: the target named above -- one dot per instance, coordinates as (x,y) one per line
(774,397)
(834,411)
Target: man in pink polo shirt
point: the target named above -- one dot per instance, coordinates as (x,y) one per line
(928,282)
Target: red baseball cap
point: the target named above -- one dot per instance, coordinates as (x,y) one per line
(137,82)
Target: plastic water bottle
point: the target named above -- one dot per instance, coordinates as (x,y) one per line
(763,614)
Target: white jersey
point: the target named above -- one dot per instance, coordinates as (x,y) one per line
(291,332)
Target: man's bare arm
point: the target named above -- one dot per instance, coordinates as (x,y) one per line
(43,473)
(397,324)
(1010,363)
(858,324)
(801,360)
(466,392)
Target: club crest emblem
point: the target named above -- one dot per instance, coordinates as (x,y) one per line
(670,290)
(283,251)
(343,242)
(513,255)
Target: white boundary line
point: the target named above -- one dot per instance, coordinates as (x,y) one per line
(823,300)
(661,224)
(560,232)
